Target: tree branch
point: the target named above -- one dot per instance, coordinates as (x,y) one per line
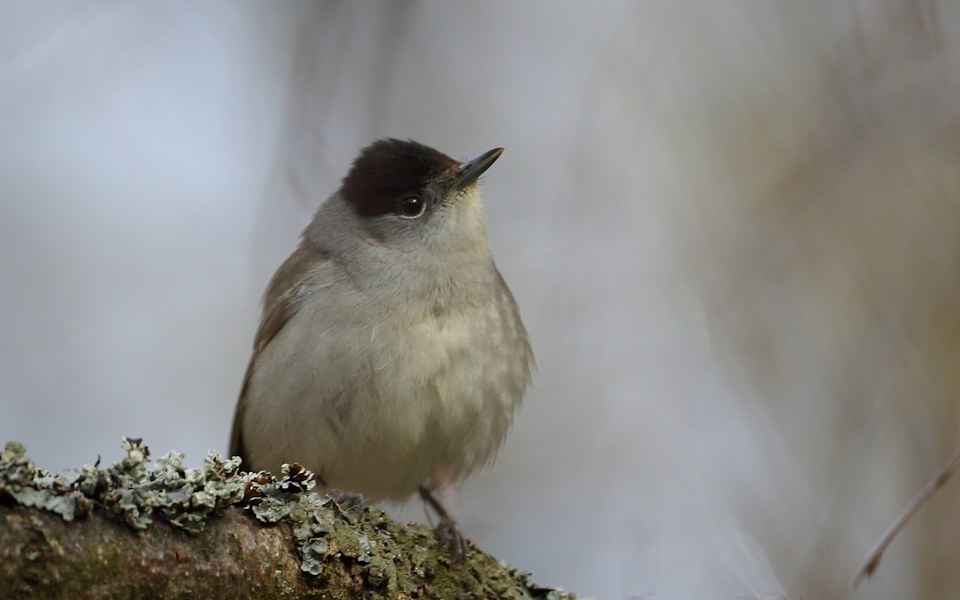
(872,561)
(170,532)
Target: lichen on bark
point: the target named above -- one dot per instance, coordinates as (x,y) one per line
(216,532)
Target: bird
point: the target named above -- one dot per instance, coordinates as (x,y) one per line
(390,359)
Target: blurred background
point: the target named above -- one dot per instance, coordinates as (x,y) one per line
(733,230)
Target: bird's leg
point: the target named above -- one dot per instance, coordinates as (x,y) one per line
(447,531)
(345,502)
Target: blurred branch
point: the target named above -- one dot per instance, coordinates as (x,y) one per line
(872,561)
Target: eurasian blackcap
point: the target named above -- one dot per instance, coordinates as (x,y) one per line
(390,357)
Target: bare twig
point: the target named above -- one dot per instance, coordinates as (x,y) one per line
(873,558)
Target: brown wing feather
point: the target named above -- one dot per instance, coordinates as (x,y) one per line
(279,304)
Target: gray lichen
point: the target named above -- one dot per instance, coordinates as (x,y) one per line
(388,557)
(290,498)
(128,489)
(183,497)
(31,486)
(136,494)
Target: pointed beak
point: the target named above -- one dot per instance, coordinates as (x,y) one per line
(472,169)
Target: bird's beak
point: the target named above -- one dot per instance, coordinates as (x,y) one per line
(472,169)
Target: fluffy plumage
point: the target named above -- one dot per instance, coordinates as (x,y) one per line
(391,352)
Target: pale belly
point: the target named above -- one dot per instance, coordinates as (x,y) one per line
(380,410)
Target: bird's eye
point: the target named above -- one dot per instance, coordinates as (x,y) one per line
(411,206)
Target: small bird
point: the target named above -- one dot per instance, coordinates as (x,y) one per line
(390,357)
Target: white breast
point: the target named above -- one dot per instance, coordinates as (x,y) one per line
(379,401)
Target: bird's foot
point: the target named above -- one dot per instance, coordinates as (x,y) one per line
(347,504)
(448,532)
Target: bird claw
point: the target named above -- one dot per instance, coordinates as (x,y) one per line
(448,532)
(346,503)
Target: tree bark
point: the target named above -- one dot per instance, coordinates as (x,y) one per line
(235,556)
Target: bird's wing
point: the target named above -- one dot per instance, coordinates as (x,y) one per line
(279,305)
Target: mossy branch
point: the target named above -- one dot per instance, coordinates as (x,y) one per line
(131,532)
